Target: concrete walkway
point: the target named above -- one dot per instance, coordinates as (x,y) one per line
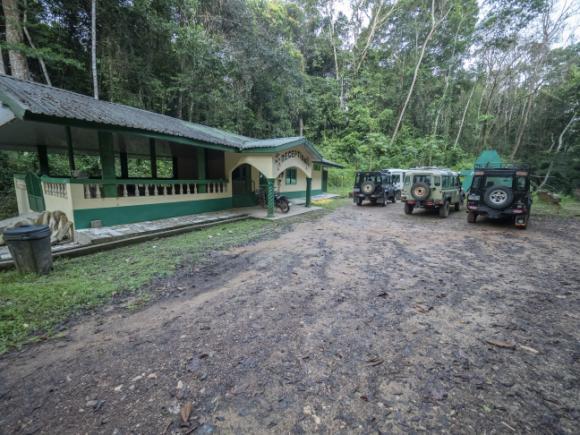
(92,236)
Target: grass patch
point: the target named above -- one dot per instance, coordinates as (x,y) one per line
(569,207)
(32,306)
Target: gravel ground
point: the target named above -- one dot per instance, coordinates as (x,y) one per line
(362,321)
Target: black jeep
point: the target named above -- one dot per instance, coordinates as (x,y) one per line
(500,191)
(374,186)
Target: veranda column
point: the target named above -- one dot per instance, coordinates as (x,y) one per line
(308,191)
(201,173)
(175,168)
(270,198)
(71,154)
(153,157)
(107,156)
(43,159)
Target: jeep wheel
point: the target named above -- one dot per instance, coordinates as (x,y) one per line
(373,201)
(394,199)
(420,191)
(398,195)
(408,208)
(498,197)
(471,217)
(359,201)
(524,225)
(457,206)
(444,210)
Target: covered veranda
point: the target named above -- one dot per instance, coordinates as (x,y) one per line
(192,168)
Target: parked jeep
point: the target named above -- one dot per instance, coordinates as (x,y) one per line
(500,191)
(374,186)
(432,188)
(397,178)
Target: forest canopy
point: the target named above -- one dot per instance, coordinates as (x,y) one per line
(373,83)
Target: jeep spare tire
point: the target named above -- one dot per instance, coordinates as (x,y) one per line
(420,191)
(367,187)
(498,197)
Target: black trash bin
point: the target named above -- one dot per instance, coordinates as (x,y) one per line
(29,246)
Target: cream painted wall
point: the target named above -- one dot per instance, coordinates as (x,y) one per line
(57,203)
(293,162)
(261,162)
(317,180)
(21,196)
(300,182)
(80,202)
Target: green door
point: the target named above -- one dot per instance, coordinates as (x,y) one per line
(324,181)
(34,190)
(242,193)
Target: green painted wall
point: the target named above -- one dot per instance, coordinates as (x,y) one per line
(300,193)
(139,213)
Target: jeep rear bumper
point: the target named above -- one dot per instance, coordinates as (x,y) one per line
(484,210)
(424,204)
(364,195)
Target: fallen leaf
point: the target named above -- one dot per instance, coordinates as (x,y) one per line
(375,362)
(185,412)
(501,344)
(423,308)
(529,349)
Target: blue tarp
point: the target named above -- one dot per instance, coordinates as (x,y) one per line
(486,158)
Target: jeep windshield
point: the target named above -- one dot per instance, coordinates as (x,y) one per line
(487,181)
(363,178)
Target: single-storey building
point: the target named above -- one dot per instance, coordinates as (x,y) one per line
(211,169)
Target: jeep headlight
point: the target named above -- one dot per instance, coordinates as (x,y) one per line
(473,197)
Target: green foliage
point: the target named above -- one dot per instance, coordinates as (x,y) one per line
(265,68)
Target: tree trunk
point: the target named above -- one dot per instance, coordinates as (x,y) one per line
(18,62)
(434,25)
(94,48)
(463,116)
(2,64)
(40,59)
(523,125)
(560,143)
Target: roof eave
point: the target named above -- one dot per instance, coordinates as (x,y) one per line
(28,116)
(302,141)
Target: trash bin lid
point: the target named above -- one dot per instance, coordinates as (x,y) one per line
(27,232)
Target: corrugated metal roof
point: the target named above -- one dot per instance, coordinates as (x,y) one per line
(30,100)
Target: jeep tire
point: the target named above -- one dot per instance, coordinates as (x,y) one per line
(367,187)
(444,210)
(420,191)
(408,208)
(471,217)
(397,196)
(359,201)
(457,206)
(498,197)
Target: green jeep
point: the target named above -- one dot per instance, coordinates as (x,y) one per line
(432,188)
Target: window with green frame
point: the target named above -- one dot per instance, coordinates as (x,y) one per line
(291,176)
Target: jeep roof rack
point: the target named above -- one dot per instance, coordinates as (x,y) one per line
(492,165)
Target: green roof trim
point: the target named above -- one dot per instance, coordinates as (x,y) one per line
(330,164)
(31,101)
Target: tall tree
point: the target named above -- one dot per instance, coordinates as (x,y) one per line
(14,40)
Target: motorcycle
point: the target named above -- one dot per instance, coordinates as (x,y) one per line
(280,201)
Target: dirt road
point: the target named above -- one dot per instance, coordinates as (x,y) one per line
(363,321)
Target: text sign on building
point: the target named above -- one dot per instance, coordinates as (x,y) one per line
(280,158)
